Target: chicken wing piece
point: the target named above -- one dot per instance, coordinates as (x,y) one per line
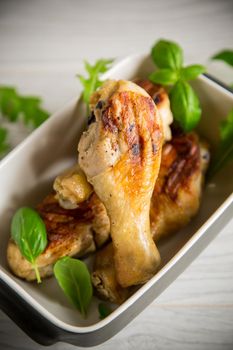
(120,154)
(72,187)
(175,201)
(69,232)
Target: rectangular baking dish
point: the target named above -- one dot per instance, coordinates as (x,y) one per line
(26,176)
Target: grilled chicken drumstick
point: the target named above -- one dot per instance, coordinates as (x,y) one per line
(120,154)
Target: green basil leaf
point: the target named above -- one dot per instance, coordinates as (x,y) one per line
(167,54)
(225,56)
(92,82)
(224,153)
(185,105)
(192,72)
(74,279)
(29,233)
(104,310)
(164,76)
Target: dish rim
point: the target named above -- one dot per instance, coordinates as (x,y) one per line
(120,309)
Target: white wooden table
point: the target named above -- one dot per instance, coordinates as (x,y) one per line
(42,45)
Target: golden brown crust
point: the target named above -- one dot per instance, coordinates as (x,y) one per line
(137,133)
(162,102)
(156,91)
(128,125)
(63,223)
(180,160)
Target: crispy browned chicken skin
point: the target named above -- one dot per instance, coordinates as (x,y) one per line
(72,187)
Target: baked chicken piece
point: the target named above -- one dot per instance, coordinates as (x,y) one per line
(120,154)
(69,232)
(175,200)
(177,192)
(72,187)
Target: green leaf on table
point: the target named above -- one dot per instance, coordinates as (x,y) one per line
(14,106)
(185,105)
(29,233)
(192,72)
(74,279)
(224,153)
(164,76)
(92,82)
(225,56)
(167,54)
(31,112)
(10,104)
(4,146)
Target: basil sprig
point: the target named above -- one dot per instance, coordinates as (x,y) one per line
(29,233)
(15,107)
(74,279)
(93,80)
(185,106)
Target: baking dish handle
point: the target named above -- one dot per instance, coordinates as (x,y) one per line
(26,317)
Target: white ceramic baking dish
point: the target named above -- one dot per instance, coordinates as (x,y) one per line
(26,176)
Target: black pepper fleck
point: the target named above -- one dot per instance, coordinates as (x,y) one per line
(154,148)
(131,127)
(135,149)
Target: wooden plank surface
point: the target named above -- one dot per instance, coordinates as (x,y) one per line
(42,46)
